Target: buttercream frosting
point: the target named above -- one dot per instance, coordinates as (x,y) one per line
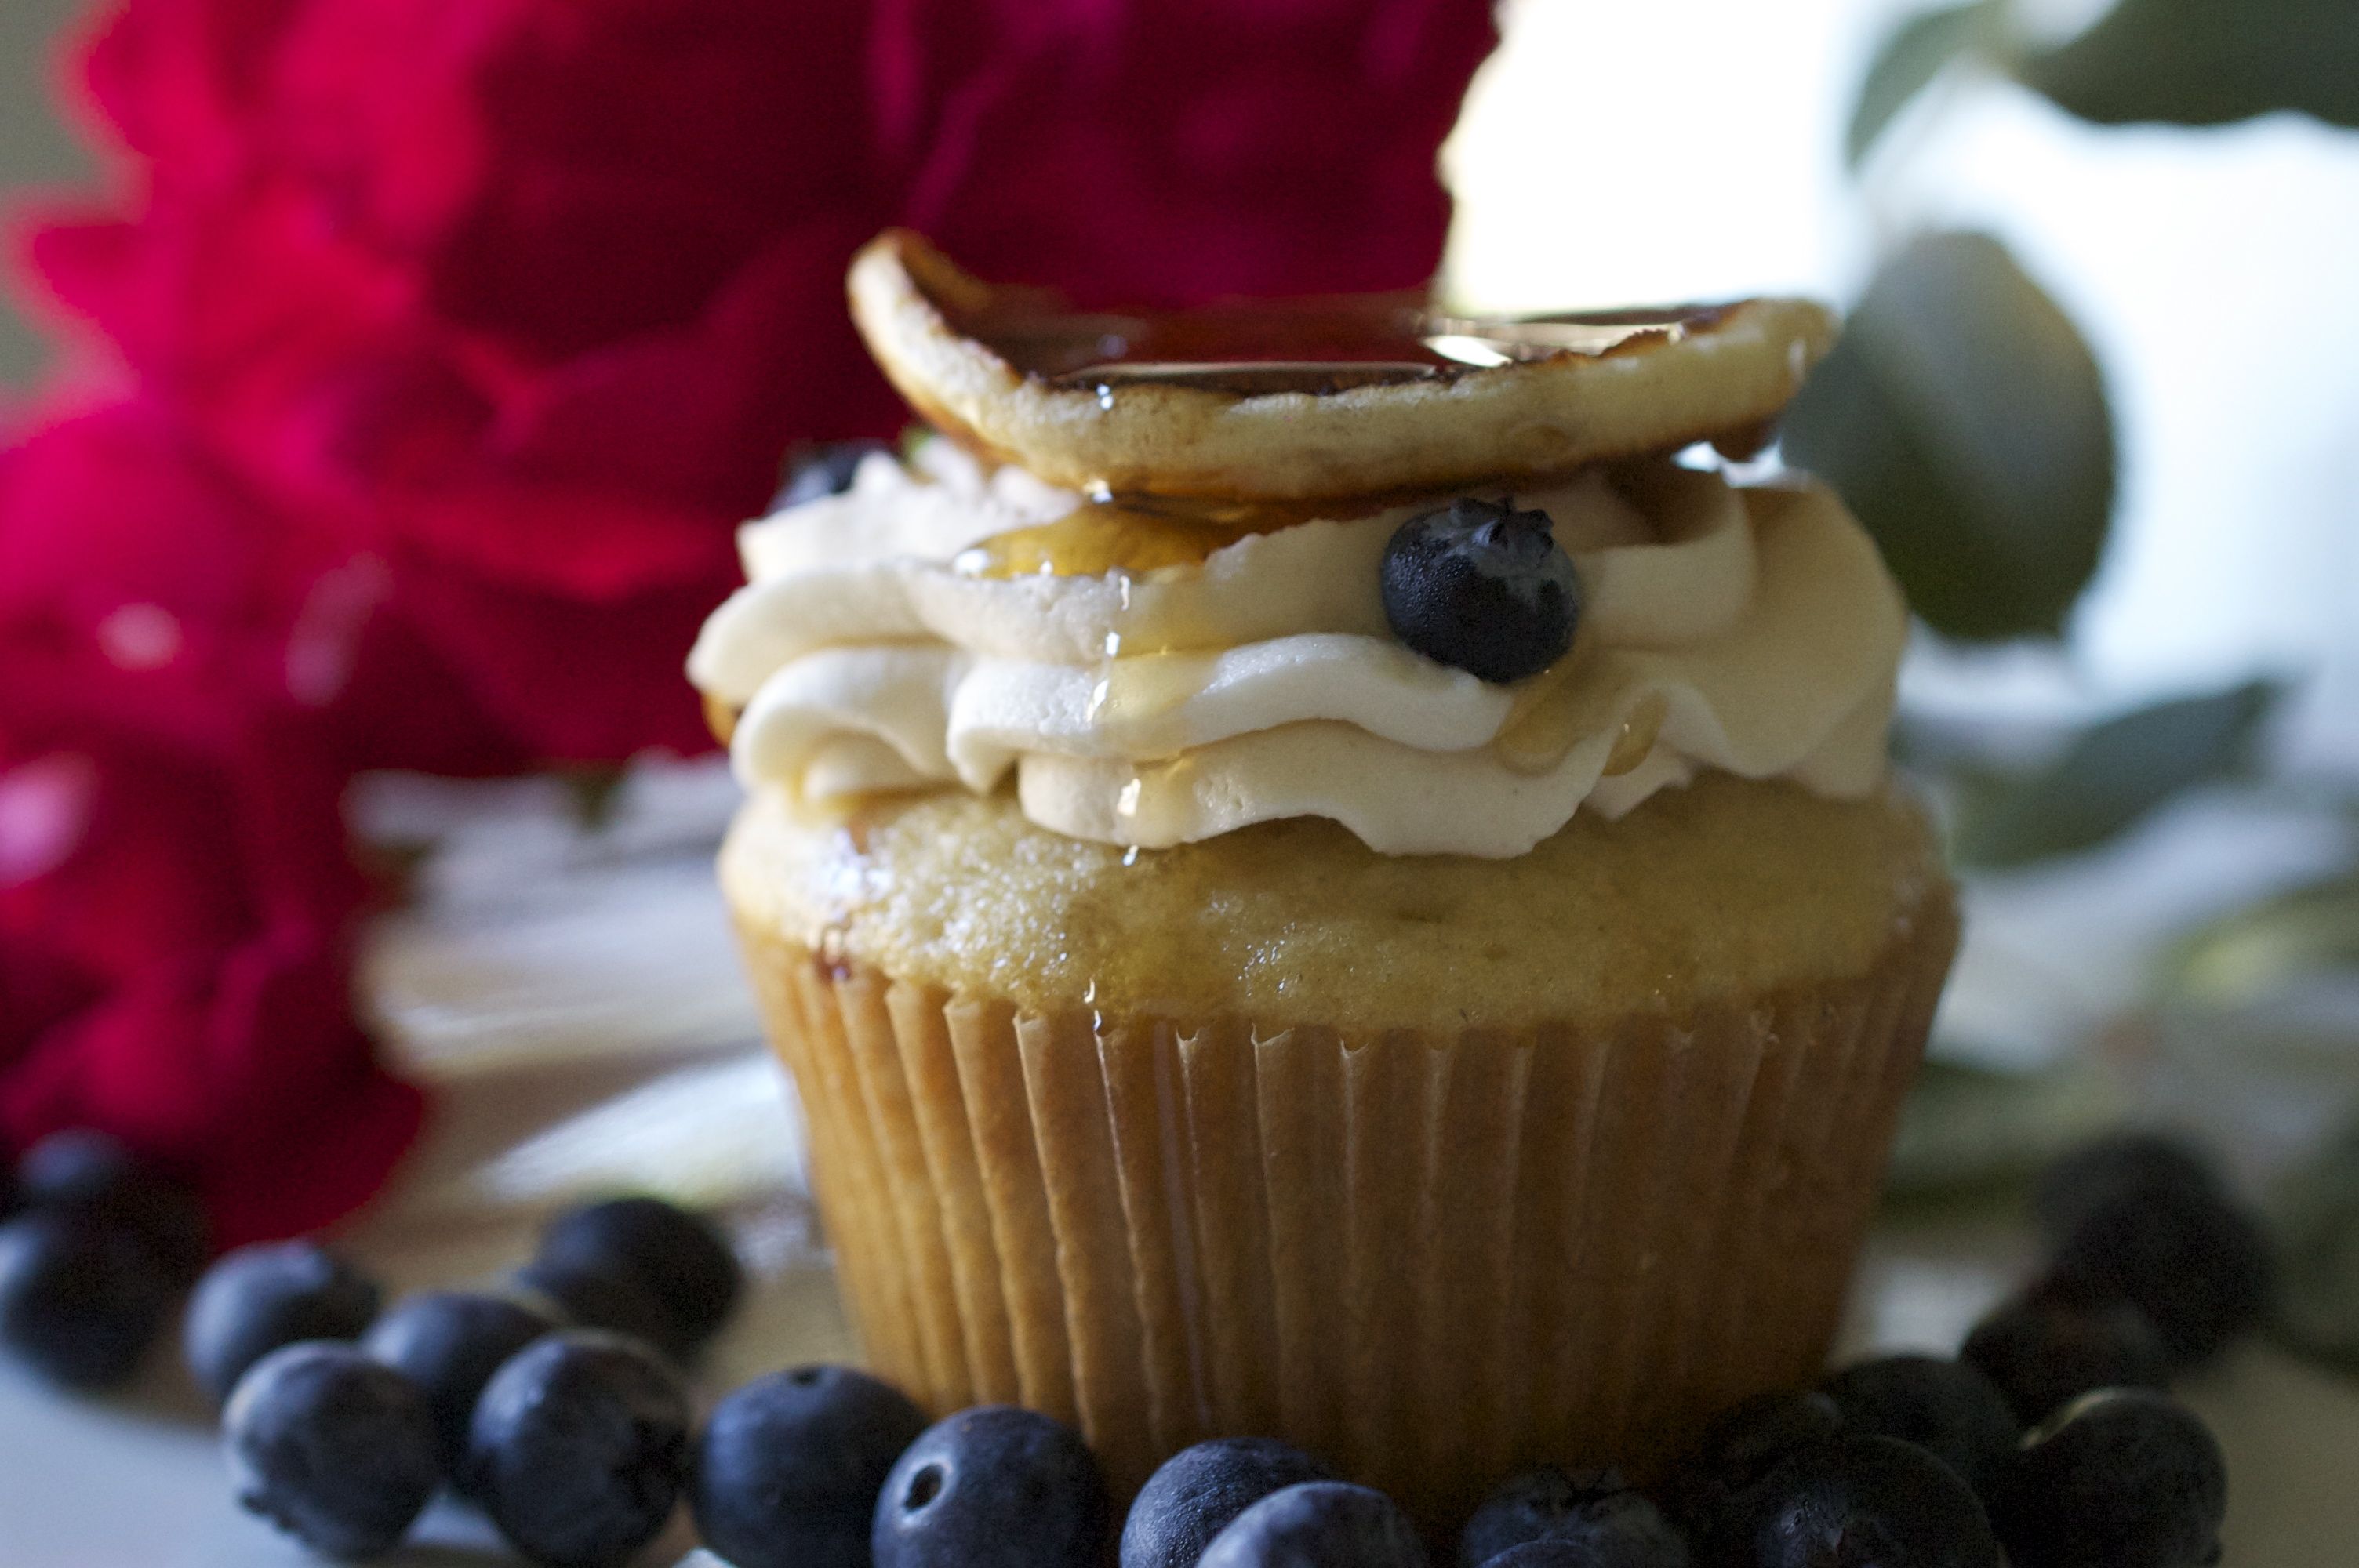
(1751,629)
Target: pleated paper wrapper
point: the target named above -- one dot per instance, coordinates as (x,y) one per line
(1429,1258)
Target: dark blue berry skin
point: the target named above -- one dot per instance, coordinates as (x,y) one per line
(1743,1444)
(2122,1478)
(676,1257)
(256,1298)
(2077,1183)
(1483,587)
(92,1175)
(1857,1502)
(595,1297)
(579,1449)
(993,1487)
(1946,1408)
(822,470)
(449,1344)
(333,1448)
(2142,1220)
(1554,1554)
(1318,1524)
(1596,1511)
(1194,1494)
(789,1469)
(80,1300)
(2040,1354)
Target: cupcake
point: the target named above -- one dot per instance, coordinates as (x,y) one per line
(1325,870)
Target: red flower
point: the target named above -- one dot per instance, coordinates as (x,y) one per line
(177,902)
(458,336)
(527,296)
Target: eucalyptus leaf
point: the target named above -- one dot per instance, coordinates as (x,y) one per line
(1912,57)
(2207,63)
(2259,948)
(1964,420)
(2112,775)
(2316,1215)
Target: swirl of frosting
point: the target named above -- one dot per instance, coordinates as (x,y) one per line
(1750,629)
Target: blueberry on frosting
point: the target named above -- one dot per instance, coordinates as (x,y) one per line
(1483,587)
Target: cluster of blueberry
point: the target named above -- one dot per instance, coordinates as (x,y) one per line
(95,1253)
(557,1406)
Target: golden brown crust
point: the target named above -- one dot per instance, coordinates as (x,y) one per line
(1723,378)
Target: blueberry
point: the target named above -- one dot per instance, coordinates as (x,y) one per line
(93,1175)
(80,1300)
(679,1260)
(1743,1444)
(579,1449)
(1946,1408)
(993,1487)
(2141,1220)
(259,1298)
(1194,1494)
(449,1344)
(333,1448)
(1596,1511)
(2122,1478)
(1857,1502)
(814,472)
(2041,1353)
(595,1297)
(1318,1524)
(1483,587)
(1557,1554)
(2075,1184)
(787,1471)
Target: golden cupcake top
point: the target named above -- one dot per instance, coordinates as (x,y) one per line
(1299,399)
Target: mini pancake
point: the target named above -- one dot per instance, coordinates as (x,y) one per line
(1294,400)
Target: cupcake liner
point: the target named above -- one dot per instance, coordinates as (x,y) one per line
(1429,1258)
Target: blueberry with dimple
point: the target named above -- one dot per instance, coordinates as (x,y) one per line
(449,1343)
(1482,586)
(1318,1524)
(92,1175)
(787,1471)
(1194,1494)
(80,1300)
(814,472)
(1856,1502)
(2042,1353)
(675,1257)
(1743,1444)
(993,1487)
(2120,1478)
(2146,1222)
(1596,1511)
(579,1449)
(259,1298)
(335,1449)
(1946,1408)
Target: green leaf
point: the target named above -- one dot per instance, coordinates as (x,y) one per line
(2207,63)
(2257,950)
(2112,775)
(1965,422)
(1912,57)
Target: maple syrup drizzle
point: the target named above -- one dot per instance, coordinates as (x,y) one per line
(1317,346)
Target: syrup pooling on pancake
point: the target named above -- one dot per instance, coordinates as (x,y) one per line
(1748,629)
(1317,347)
(1318,399)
